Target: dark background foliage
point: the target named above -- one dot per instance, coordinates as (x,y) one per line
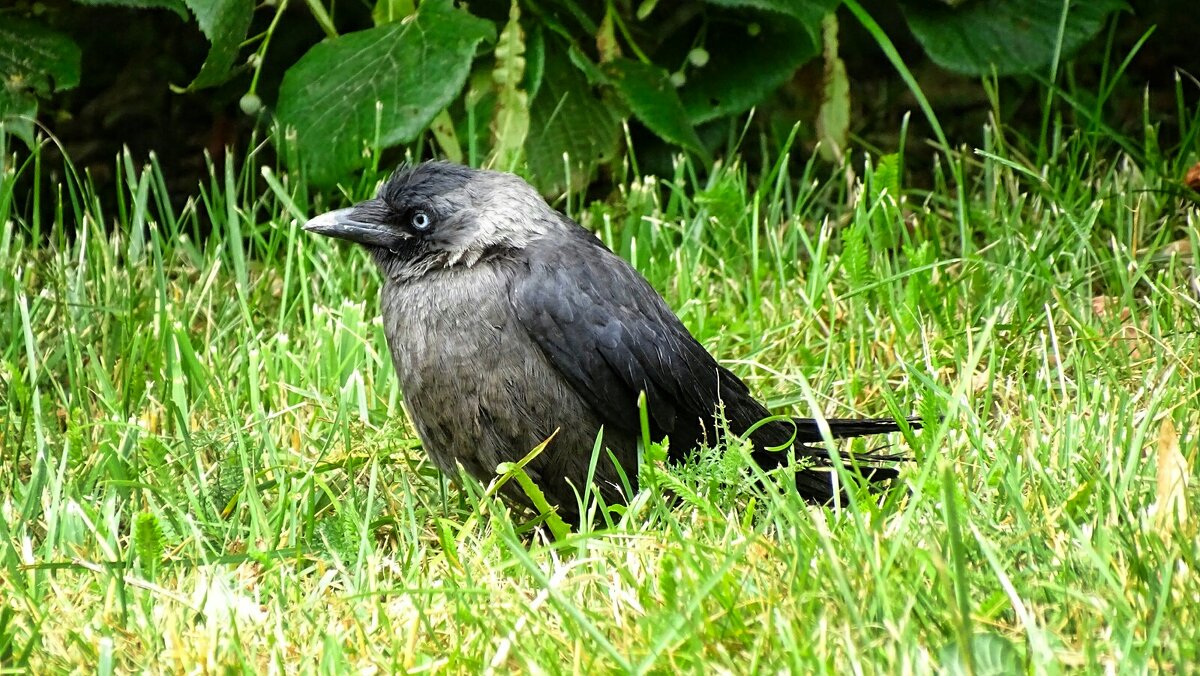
(683,74)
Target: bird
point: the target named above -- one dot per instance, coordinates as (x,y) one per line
(510,325)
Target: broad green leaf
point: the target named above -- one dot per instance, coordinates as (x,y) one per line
(568,118)
(990,655)
(808,12)
(1011,36)
(34,61)
(510,124)
(648,92)
(400,75)
(225,24)
(750,65)
(176,6)
(35,58)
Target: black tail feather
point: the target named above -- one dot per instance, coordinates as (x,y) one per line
(816,483)
(808,431)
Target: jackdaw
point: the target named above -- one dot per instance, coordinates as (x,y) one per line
(510,324)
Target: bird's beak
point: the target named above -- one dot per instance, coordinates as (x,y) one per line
(339,224)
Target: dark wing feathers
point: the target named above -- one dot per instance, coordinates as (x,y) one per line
(611,336)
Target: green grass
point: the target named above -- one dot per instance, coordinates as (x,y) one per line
(206,463)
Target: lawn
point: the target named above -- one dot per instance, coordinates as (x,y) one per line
(206,463)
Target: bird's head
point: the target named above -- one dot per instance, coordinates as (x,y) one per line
(438,215)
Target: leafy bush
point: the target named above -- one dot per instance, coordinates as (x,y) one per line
(531,81)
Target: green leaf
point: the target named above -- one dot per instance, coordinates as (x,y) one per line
(856,256)
(444,133)
(148,542)
(568,118)
(412,70)
(176,6)
(225,24)
(387,11)
(808,12)
(591,71)
(510,123)
(341,532)
(35,61)
(558,527)
(515,471)
(985,655)
(1012,36)
(648,92)
(734,80)
(535,61)
(34,58)
(607,47)
(886,177)
(17,113)
(833,119)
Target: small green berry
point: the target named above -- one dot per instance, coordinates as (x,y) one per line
(251,104)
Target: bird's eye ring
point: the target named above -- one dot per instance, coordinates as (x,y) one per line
(420,220)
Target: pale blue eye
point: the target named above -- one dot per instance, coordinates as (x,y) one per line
(420,220)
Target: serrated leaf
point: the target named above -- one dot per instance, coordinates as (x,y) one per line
(648,92)
(569,118)
(225,24)
(990,655)
(752,67)
(148,542)
(413,69)
(855,255)
(1011,36)
(176,6)
(886,177)
(340,534)
(510,124)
